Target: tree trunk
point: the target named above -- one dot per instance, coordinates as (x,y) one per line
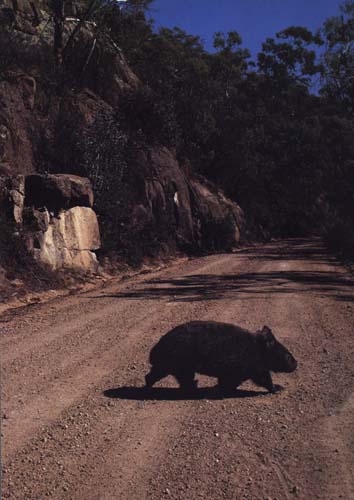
(58,15)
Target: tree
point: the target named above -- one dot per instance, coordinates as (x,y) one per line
(126,24)
(229,63)
(291,59)
(58,7)
(338,58)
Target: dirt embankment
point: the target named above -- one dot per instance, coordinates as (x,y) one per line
(66,438)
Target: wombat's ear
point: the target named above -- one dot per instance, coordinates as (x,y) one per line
(267,336)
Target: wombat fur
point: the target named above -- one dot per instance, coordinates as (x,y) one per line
(225,351)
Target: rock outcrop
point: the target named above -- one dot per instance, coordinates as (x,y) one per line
(69,240)
(12,198)
(32,99)
(54,215)
(185,211)
(218,222)
(43,122)
(58,191)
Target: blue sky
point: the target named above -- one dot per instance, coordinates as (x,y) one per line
(253,19)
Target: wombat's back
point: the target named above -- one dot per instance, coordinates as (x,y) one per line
(202,343)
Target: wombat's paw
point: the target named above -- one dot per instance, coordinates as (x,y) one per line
(276,388)
(148,380)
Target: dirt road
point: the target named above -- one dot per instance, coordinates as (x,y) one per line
(77,426)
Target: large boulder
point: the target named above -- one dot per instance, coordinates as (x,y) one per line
(70,240)
(58,191)
(53,214)
(167,195)
(61,226)
(218,221)
(159,195)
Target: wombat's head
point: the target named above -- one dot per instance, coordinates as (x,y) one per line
(277,357)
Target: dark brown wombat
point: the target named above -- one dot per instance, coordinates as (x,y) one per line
(228,352)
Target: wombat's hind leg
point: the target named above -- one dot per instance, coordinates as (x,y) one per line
(186,380)
(264,379)
(154,376)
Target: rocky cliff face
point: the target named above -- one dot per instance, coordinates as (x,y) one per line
(187,212)
(44,113)
(36,99)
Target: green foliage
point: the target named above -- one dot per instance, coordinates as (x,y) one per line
(340,239)
(175,66)
(229,42)
(338,58)
(229,64)
(281,150)
(291,59)
(102,147)
(126,24)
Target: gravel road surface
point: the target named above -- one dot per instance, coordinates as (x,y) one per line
(77,425)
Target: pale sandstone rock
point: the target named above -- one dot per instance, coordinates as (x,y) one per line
(18,200)
(12,197)
(70,239)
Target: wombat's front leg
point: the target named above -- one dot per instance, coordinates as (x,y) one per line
(154,376)
(264,379)
(186,380)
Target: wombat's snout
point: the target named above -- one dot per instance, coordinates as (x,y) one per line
(292,363)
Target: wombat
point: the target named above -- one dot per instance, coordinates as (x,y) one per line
(225,351)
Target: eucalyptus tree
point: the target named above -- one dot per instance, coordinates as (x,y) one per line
(338,57)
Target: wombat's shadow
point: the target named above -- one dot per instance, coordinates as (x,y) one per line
(176,394)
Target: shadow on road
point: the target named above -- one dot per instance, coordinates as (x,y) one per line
(200,287)
(291,250)
(176,394)
(217,287)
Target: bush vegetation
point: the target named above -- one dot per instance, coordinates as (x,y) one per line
(275,133)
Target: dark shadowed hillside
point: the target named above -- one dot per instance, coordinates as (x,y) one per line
(276,134)
(71,105)
(168,133)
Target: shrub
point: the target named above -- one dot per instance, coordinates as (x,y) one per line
(340,239)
